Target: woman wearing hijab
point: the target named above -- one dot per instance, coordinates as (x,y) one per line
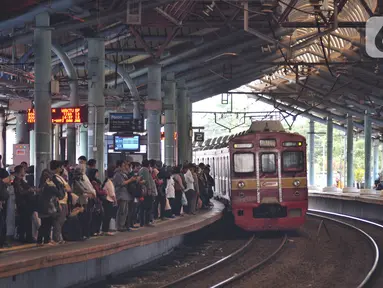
(86,193)
(48,206)
(98,212)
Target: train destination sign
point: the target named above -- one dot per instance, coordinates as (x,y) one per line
(64,115)
(124,122)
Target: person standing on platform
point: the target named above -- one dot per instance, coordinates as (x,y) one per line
(109,202)
(179,189)
(193,170)
(5,181)
(210,184)
(64,188)
(98,213)
(170,193)
(135,190)
(91,164)
(203,185)
(190,193)
(120,181)
(149,191)
(86,192)
(25,205)
(82,160)
(164,175)
(48,206)
(160,199)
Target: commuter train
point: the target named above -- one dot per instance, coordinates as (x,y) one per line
(262,174)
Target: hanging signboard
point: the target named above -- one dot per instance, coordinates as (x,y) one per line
(64,115)
(199,136)
(124,122)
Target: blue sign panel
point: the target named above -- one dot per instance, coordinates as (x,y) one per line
(124,122)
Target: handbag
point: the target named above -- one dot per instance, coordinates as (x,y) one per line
(167,205)
(52,209)
(184,200)
(101,192)
(144,191)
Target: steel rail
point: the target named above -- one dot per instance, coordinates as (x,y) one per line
(211,266)
(368,236)
(236,277)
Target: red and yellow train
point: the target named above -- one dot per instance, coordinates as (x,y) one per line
(263,173)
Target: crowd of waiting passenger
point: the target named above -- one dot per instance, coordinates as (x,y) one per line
(74,204)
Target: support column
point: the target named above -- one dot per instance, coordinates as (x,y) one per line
(96,102)
(3,140)
(170,119)
(56,142)
(154,116)
(32,149)
(189,152)
(375,174)
(83,141)
(71,128)
(73,100)
(182,122)
(43,70)
(350,157)
(367,153)
(22,128)
(311,155)
(330,172)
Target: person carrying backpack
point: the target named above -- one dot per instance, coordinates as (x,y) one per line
(48,206)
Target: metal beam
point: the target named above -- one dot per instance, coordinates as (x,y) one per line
(366,7)
(221,87)
(342,24)
(287,11)
(27,37)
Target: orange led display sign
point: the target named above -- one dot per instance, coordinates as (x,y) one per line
(64,115)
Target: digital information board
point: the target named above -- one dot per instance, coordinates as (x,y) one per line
(127,143)
(64,115)
(124,122)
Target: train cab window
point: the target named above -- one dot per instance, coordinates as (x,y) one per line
(243,162)
(292,161)
(268,163)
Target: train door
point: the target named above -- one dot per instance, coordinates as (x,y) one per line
(268,174)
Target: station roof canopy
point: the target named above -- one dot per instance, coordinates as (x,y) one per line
(305,57)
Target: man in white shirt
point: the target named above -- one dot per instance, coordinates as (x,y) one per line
(190,193)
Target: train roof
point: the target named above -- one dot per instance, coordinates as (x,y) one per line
(223,141)
(269,125)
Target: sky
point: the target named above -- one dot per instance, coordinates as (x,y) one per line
(241,103)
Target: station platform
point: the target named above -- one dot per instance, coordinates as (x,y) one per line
(367,206)
(76,263)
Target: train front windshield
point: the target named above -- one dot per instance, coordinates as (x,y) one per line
(293,161)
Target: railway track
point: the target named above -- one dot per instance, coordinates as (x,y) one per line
(231,259)
(359,225)
(236,276)
(310,259)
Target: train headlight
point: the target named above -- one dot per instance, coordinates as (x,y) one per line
(296,183)
(241,184)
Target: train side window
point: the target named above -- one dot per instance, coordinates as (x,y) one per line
(292,161)
(268,163)
(243,162)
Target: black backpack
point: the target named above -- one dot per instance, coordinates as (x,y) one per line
(4,194)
